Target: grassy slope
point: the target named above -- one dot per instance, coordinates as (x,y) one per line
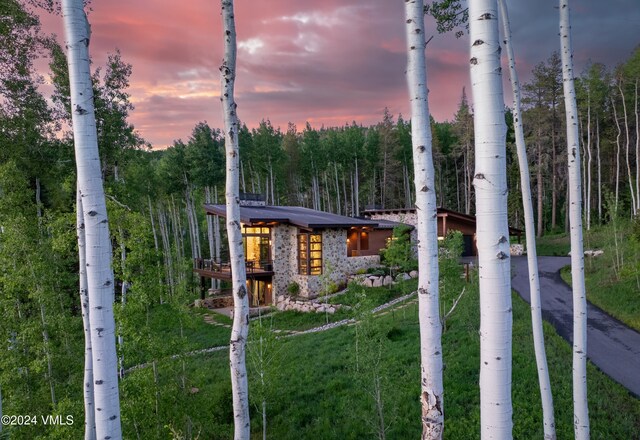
(613,289)
(321,399)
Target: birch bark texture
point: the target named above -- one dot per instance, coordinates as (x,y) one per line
(98,244)
(490,182)
(532,257)
(240,328)
(89,406)
(580,407)
(428,302)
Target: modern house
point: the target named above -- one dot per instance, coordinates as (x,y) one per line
(284,245)
(448,220)
(300,247)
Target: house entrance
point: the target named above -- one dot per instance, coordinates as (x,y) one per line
(259,292)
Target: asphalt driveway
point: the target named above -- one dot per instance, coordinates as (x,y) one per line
(611,346)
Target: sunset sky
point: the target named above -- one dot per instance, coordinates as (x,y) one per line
(324,61)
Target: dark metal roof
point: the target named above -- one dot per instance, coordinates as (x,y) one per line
(441,213)
(389,224)
(295,215)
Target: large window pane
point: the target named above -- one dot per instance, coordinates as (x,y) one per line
(309,254)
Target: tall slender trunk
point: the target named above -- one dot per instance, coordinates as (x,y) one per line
(38,200)
(271,181)
(353,199)
(532,258)
(467,180)
(469,172)
(627,143)
(540,188)
(98,244)
(344,195)
(153,225)
(588,148)
(580,408)
(242,177)
(383,180)
(615,117)
(599,165)
(338,204)
(554,174)
(428,302)
(240,328)
(490,183)
(637,147)
(47,347)
(166,248)
(196,226)
(457,187)
(357,188)
(216,236)
(123,300)
(210,237)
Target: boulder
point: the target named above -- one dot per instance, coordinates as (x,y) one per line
(413,274)
(331,310)
(593,253)
(405,277)
(377,282)
(387,280)
(517,249)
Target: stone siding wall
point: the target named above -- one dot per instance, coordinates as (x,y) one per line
(334,254)
(408,218)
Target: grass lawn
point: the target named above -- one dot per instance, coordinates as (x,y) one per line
(169,330)
(316,393)
(556,245)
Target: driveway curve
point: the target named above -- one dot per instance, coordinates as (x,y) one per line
(611,346)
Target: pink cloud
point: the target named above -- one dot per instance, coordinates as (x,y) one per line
(328,62)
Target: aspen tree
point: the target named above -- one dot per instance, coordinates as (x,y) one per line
(430,324)
(490,182)
(240,328)
(89,411)
(532,258)
(580,407)
(98,243)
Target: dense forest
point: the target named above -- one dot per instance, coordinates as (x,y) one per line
(155,196)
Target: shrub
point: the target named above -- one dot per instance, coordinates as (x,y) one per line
(293,288)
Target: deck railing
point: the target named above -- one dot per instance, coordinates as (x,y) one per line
(225,266)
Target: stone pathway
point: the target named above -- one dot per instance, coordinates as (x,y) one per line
(209,319)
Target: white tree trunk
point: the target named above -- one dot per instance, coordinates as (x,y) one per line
(615,118)
(532,258)
(599,166)
(98,244)
(430,324)
(589,160)
(153,225)
(626,148)
(580,408)
(240,328)
(89,411)
(490,181)
(637,147)
(166,249)
(123,300)
(357,188)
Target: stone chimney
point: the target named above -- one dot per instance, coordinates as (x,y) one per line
(252,199)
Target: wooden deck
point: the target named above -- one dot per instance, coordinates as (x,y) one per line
(222,270)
